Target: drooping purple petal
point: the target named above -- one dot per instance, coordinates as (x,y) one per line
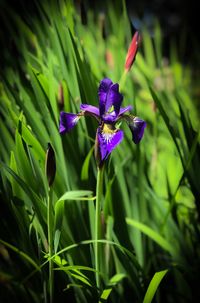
(137,127)
(108,139)
(67,122)
(102,93)
(90,110)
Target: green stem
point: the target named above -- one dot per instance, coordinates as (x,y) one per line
(123,79)
(50,241)
(98,222)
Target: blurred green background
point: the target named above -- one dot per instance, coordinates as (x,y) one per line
(53,56)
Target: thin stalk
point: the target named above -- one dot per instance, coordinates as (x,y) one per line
(98,222)
(123,79)
(50,241)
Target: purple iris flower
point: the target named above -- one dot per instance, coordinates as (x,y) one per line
(108,115)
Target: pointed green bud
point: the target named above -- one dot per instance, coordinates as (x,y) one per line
(50,165)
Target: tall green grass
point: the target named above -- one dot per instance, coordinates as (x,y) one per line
(151,206)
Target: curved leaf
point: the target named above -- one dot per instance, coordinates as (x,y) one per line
(151,234)
(153,286)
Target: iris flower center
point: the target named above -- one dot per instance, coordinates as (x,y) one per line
(110,110)
(108,131)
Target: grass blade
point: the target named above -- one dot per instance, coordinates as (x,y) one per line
(153,286)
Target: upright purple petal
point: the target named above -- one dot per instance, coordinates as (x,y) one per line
(67,122)
(137,127)
(114,98)
(109,96)
(102,92)
(90,110)
(108,139)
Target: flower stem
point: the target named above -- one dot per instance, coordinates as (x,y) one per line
(50,241)
(98,222)
(123,79)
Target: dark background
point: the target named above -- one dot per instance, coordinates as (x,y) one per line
(179,21)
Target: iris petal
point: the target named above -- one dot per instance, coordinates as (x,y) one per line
(114,99)
(109,118)
(137,128)
(109,96)
(102,92)
(107,140)
(67,122)
(125,109)
(90,110)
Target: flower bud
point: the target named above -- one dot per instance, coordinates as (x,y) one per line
(50,165)
(132,51)
(60,96)
(137,127)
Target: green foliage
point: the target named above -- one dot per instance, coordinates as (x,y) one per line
(151,206)
(157,278)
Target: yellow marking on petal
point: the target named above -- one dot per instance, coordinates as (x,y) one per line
(108,131)
(108,128)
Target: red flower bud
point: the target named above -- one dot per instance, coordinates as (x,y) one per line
(132,51)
